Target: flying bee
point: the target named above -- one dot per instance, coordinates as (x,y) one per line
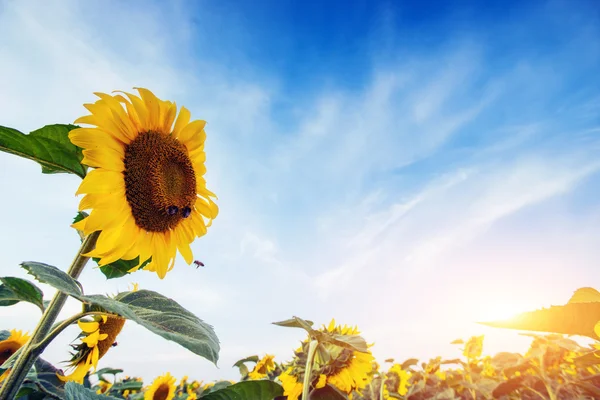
(198,264)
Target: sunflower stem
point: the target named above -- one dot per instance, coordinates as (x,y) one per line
(312,347)
(382,387)
(32,350)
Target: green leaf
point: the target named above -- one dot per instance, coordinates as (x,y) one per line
(107,371)
(296,322)
(327,392)
(49,146)
(409,363)
(7,297)
(54,277)
(164,317)
(130,385)
(74,391)
(23,290)
(253,359)
(570,319)
(248,390)
(120,268)
(351,341)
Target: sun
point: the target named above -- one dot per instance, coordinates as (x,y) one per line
(500,311)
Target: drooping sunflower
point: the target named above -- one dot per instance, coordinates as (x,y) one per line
(9,346)
(162,388)
(262,368)
(97,337)
(346,369)
(147,192)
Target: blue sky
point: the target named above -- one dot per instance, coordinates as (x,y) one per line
(411,168)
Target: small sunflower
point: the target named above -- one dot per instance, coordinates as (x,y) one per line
(262,368)
(97,336)
(473,347)
(346,369)
(162,388)
(147,192)
(396,381)
(9,346)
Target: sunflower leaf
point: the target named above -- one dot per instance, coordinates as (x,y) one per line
(328,392)
(7,297)
(351,341)
(253,359)
(54,277)
(49,146)
(74,391)
(255,390)
(164,317)
(120,268)
(296,322)
(21,290)
(571,319)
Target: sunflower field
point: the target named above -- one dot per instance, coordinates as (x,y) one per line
(145,200)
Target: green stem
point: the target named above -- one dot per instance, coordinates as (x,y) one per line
(312,347)
(381,388)
(30,352)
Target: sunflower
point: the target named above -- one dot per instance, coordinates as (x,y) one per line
(162,388)
(97,336)
(346,369)
(262,368)
(473,347)
(147,192)
(396,381)
(292,389)
(9,346)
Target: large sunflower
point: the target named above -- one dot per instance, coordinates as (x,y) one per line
(97,337)
(9,346)
(147,192)
(162,388)
(346,369)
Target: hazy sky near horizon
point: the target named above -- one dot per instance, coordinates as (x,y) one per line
(408,167)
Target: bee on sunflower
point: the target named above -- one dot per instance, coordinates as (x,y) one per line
(13,341)
(337,363)
(147,192)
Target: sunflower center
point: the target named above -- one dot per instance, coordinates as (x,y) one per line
(7,349)
(162,392)
(160,183)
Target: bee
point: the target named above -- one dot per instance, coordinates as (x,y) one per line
(198,264)
(114,344)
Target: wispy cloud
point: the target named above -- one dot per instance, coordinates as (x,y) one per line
(347,202)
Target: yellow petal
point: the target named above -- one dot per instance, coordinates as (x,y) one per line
(182,120)
(183,246)
(193,130)
(123,120)
(153,107)
(88,326)
(93,138)
(102,181)
(140,110)
(103,158)
(168,111)
(92,339)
